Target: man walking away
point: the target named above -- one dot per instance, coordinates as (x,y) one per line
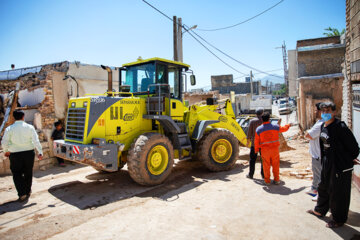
(314,149)
(18,143)
(339,150)
(254,123)
(267,140)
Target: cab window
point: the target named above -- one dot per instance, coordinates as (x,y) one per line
(174,82)
(140,77)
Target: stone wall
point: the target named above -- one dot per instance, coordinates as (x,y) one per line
(221,81)
(320,62)
(194,98)
(240,88)
(317,41)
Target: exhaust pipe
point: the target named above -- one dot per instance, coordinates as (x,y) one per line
(110,85)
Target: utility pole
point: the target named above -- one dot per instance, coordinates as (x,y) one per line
(180,45)
(267,86)
(251,84)
(175,29)
(286,75)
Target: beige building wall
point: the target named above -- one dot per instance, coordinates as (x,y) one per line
(92,79)
(293,83)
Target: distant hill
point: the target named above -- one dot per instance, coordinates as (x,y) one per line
(272,79)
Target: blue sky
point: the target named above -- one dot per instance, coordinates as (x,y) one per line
(113,32)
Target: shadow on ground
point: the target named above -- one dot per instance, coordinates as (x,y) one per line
(105,188)
(347,232)
(13,206)
(54,170)
(280,189)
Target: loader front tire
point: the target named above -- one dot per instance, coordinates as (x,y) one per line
(218,150)
(150,159)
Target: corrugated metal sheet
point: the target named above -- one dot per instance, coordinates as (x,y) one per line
(320,47)
(334,75)
(16,73)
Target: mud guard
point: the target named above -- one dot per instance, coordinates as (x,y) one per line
(200,129)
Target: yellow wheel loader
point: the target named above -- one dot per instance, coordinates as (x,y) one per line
(146,125)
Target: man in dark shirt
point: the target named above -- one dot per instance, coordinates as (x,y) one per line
(338,151)
(58,134)
(254,123)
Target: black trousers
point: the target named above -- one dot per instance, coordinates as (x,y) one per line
(334,193)
(21,165)
(253,157)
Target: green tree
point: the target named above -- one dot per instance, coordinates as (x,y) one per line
(280,92)
(331,32)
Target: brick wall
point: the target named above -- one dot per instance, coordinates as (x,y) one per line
(194,98)
(239,88)
(317,41)
(221,80)
(320,62)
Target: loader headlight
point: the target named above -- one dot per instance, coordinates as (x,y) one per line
(85,104)
(73,104)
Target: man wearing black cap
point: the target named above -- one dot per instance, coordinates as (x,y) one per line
(254,123)
(338,152)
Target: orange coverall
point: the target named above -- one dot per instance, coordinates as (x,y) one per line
(267,139)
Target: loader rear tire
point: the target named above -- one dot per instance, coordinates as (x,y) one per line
(218,150)
(150,159)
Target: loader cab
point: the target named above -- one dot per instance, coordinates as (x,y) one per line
(144,77)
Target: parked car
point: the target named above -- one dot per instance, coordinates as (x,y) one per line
(285,108)
(282,101)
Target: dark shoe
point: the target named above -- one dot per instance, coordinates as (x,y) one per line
(333,224)
(248,176)
(22,198)
(276,182)
(316,214)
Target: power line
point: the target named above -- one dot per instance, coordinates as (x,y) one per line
(237,24)
(190,30)
(194,38)
(275,70)
(244,64)
(215,54)
(158,11)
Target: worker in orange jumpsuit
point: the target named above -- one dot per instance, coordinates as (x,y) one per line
(267,142)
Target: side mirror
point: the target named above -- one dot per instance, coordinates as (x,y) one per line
(192,80)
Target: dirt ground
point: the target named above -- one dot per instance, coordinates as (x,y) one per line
(79,203)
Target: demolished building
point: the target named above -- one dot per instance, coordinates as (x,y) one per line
(43,95)
(225,83)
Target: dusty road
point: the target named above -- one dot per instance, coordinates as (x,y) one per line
(79,203)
